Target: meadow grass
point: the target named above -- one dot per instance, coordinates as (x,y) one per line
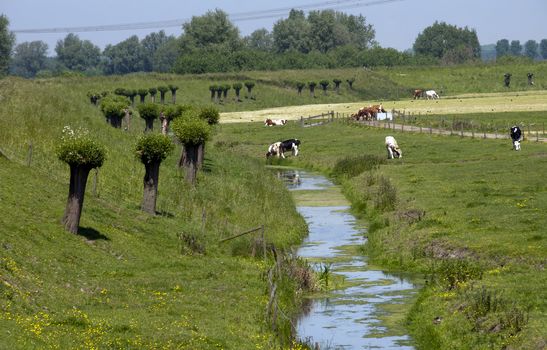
(469,214)
(130,280)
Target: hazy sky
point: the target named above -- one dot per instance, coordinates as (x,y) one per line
(397,22)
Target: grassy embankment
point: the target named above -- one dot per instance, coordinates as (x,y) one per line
(130,280)
(469,215)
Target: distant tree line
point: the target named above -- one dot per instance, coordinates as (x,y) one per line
(211,43)
(531,48)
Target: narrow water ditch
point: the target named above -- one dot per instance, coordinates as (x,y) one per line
(365,308)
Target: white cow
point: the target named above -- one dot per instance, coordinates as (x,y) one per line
(393,149)
(431,95)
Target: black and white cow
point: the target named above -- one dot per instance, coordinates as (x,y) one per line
(289,145)
(279,148)
(516,135)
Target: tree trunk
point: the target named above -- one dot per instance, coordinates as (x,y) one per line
(142,98)
(162,98)
(174,97)
(75,201)
(182,158)
(150,193)
(153,98)
(149,125)
(116,121)
(190,162)
(201,155)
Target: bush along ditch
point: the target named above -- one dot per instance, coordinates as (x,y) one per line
(456,301)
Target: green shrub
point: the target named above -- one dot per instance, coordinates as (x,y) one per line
(153,148)
(386,197)
(454,272)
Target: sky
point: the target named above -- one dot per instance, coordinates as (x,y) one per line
(397,22)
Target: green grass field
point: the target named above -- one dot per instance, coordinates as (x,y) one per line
(130,280)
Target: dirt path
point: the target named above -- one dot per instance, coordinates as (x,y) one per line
(426,130)
(524,101)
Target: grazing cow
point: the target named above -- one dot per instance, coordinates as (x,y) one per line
(279,148)
(431,95)
(393,149)
(368,113)
(516,137)
(289,145)
(274,122)
(273,150)
(418,93)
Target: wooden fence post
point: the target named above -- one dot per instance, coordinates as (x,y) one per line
(472,131)
(302,121)
(461,129)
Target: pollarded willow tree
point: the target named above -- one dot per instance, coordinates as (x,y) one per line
(113,108)
(163,90)
(131,93)
(192,132)
(225,89)
(149,112)
(82,153)
(212,116)
(173,89)
(337,83)
(153,91)
(151,150)
(312,85)
(324,85)
(142,93)
(171,112)
(250,85)
(237,88)
(299,86)
(350,82)
(213,90)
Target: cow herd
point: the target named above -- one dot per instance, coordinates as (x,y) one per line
(368,113)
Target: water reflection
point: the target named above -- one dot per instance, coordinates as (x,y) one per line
(348,317)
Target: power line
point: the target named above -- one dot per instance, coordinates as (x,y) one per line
(236,17)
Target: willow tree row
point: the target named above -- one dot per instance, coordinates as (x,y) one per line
(192,128)
(131,94)
(219,92)
(324,85)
